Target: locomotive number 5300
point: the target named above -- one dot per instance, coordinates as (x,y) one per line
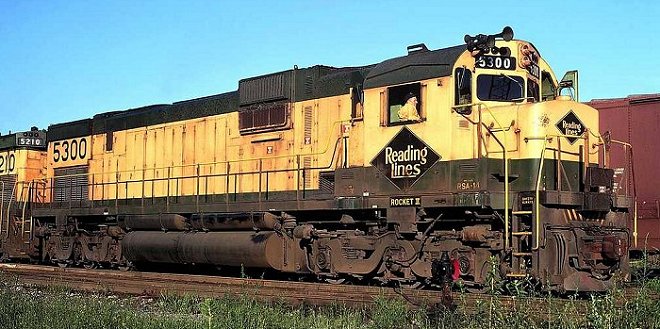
(495,62)
(70,150)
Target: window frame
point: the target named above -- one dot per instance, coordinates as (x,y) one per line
(264,110)
(548,97)
(357,103)
(516,100)
(528,84)
(392,99)
(458,89)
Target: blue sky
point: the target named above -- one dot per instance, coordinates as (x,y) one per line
(66,60)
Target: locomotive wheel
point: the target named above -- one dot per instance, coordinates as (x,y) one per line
(412,285)
(476,289)
(90,265)
(125,267)
(335,281)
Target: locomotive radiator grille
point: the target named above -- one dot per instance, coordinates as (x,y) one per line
(70,184)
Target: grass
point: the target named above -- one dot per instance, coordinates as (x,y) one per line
(22,307)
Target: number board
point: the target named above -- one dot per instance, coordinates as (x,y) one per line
(69,152)
(495,62)
(35,139)
(7,163)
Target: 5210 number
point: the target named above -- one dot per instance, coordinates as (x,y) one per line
(70,150)
(7,163)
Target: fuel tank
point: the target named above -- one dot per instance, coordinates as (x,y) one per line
(206,222)
(249,249)
(235,221)
(158,222)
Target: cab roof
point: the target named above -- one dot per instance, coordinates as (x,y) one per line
(416,66)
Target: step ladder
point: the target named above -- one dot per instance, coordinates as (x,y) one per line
(26,214)
(9,200)
(521,242)
(4,220)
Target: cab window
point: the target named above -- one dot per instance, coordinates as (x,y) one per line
(462,86)
(500,87)
(548,87)
(404,104)
(357,102)
(533,91)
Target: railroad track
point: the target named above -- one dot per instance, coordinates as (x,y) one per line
(296,293)
(154,284)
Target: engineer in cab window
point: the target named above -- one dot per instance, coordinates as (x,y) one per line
(408,112)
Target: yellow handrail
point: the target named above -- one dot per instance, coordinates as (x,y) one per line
(537,195)
(537,188)
(479,105)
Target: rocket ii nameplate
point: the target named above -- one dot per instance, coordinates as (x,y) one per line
(405,159)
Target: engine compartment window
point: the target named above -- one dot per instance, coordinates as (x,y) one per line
(404,104)
(500,87)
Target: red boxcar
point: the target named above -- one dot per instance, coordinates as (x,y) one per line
(636,120)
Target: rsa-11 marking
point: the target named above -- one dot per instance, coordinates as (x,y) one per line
(468,185)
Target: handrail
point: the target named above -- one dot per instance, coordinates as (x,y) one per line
(505,158)
(13,193)
(197,176)
(324,150)
(2,205)
(626,147)
(201,165)
(25,203)
(537,196)
(537,188)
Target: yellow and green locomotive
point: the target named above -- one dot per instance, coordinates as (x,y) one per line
(421,169)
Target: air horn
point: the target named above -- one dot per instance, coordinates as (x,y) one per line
(481,43)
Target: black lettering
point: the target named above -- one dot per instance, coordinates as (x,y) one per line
(56,151)
(74,149)
(82,152)
(65,146)
(11,163)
